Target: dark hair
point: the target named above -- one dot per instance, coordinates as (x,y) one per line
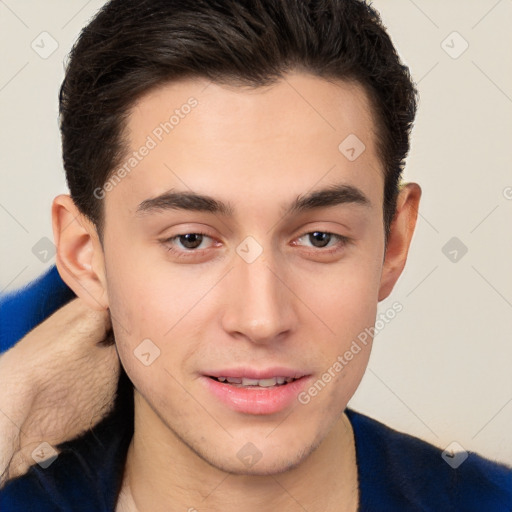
(133,46)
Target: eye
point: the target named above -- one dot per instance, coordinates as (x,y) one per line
(196,244)
(323,239)
(318,238)
(190,240)
(188,244)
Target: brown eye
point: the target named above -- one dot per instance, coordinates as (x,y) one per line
(319,238)
(322,244)
(190,246)
(191,240)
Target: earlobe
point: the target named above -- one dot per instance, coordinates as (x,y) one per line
(400,236)
(79,253)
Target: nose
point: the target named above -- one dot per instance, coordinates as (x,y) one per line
(260,304)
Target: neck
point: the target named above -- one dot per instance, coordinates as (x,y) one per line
(161,471)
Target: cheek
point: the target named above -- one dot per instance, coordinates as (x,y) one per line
(346,297)
(136,303)
(346,301)
(152,312)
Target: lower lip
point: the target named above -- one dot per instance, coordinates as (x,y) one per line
(256,400)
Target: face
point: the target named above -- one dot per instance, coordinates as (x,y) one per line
(246,245)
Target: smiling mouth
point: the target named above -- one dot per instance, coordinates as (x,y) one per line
(240,382)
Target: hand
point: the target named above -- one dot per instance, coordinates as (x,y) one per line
(56,383)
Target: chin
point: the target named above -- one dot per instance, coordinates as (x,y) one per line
(274,465)
(248,460)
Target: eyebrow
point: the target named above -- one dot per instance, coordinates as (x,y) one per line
(190,201)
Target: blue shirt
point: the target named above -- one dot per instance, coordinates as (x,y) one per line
(396,471)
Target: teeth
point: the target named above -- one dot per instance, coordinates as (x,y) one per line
(250,382)
(264,383)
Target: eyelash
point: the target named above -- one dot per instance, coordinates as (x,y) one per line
(190,253)
(183,253)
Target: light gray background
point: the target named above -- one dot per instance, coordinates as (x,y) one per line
(441,370)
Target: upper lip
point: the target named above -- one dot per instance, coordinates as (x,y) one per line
(257,373)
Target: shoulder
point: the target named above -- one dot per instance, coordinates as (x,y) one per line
(398,471)
(21,310)
(87,472)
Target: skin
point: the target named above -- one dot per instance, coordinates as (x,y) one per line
(296,305)
(46,371)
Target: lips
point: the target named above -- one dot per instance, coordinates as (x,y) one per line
(264,383)
(252,391)
(254,373)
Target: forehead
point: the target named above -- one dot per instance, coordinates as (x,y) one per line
(249,144)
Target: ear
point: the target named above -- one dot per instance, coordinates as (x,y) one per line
(79,257)
(401,231)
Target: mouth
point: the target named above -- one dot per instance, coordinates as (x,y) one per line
(244,382)
(256,393)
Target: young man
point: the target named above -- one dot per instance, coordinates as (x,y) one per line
(236,207)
